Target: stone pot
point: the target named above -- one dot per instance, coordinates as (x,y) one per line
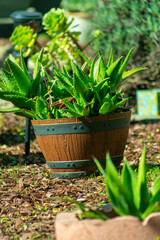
(69,227)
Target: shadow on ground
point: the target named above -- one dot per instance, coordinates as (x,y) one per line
(10,160)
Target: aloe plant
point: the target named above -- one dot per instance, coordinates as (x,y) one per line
(94,93)
(28,95)
(129,194)
(92,90)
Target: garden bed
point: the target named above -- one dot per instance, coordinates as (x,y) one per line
(28,189)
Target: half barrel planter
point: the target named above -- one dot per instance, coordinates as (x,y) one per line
(69,144)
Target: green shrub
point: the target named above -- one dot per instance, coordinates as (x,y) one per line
(78,5)
(125,24)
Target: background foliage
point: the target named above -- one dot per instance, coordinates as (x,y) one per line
(131,23)
(127,23)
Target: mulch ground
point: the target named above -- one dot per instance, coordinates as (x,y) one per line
(28,190)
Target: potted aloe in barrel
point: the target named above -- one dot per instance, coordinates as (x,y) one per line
(75,116)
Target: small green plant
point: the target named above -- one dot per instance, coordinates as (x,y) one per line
(92,90)
(129,194)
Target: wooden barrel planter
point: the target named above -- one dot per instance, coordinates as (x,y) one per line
(70,144)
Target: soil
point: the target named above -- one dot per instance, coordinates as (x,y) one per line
(28,190)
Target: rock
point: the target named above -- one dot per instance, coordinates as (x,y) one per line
(69,227)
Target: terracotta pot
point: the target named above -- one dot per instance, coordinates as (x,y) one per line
(69,227)
(69,145)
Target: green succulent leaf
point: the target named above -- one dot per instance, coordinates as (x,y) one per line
(9,81)
(129,73)
(3,86)
(9,110)
(104,109)
(102,171)
(117,192)
(112,72)
(81,77)
(129,180)
(41,108)
(117,200)
(72,110)
(110,59)
(124,65)
(154,205)
(156,186)
(27,114)
(86,59)
(65,80)
(18,99)
(24,66)
(22,80)
(142,183)
(79,85)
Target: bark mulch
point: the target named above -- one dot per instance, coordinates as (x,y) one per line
(28,190)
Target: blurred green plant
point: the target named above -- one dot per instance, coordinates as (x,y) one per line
(62,40)
(125,24)
(78,5)
(24,38)
(128,193)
